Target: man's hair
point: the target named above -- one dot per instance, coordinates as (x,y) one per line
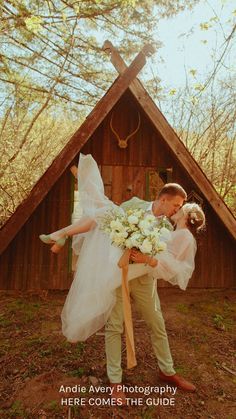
(172,189)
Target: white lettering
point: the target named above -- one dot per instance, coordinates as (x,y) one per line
(160,401)
(134,402)
(70,401)
(104,402)
(75,389)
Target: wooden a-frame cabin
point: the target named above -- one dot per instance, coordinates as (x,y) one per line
(153,155)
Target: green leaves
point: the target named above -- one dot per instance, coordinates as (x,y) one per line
(172,92)
(193,72)
(204,26)
(33,23)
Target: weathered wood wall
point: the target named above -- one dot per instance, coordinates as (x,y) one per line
(28,264)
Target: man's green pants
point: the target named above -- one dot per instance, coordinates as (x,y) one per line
(148,304)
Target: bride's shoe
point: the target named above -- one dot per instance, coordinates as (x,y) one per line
(58,244)
(46,238)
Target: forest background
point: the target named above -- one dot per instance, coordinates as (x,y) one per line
(53,71)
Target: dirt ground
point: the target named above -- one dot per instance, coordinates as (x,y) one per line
(36,361)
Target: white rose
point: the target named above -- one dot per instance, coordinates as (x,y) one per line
(150,218)
(146,246)
(118,238)
(132,219)
(161,246)
(155,240)
(128,243)
(144,226)
(119,241)
(114,235)
(116,225)
(135,239)
(123,234)
(138,213)
(165,233)
(156,233)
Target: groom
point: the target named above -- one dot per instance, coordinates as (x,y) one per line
(169,201)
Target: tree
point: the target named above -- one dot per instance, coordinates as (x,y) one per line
(58,43)
(203,111)
(52,64)
(206,125)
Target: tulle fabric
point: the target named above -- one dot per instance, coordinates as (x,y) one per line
(91,296)
(92,293)
(92,200)
(176,265)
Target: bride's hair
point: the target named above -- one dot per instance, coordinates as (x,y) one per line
(195,219)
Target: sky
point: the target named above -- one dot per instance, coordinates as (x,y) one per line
(185,45)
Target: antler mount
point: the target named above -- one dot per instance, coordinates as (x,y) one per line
(123,143)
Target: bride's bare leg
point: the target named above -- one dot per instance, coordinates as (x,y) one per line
(80,226)
(58,238)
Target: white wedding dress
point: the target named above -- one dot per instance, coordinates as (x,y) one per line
(92,293)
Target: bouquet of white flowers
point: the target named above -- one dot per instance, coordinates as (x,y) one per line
(136,228)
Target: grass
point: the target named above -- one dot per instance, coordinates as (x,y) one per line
(77,351)
(222,322)
(17,411)
(49,326)
(54,407)
(75,410)
(182,308)
(77,373)
(4,322)
(35,340)
(148,413)
(31,372)
(183,370)
(45,352)
(218,321)
(5,347)
(222,319)
(27,311)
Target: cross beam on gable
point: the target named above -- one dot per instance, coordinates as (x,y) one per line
(174,142)
(69,152)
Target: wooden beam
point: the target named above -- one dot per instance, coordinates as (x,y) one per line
(74,171)
(63,160)
(175,143)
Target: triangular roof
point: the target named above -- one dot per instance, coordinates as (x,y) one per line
(175,144)
(126,79)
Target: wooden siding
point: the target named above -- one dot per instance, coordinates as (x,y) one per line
(27,263)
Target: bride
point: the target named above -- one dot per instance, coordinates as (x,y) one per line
(92,293)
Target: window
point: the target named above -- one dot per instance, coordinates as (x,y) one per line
(155,179)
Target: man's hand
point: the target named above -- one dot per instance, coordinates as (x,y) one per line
(139,257)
